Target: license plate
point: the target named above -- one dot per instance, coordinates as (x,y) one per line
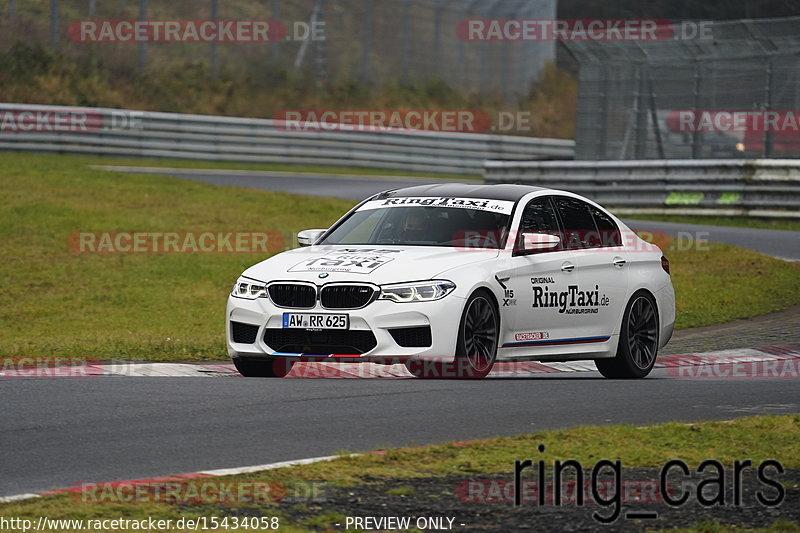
(315,321)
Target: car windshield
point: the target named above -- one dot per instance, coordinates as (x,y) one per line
(427,225)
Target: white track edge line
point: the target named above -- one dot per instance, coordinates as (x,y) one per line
(17,497)
(272,466)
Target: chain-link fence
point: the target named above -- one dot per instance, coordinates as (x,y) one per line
(735,93)
(363,40)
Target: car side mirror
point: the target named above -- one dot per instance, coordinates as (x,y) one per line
(307,237)
(537,242)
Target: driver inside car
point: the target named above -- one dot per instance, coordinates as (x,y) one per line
(416,226)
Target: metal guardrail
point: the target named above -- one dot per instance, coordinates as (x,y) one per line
(215,138)
(758,187)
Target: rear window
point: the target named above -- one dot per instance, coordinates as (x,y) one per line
(607,228)
(579,228)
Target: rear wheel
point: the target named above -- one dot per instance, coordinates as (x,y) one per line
(476,346)
(638,340)
(269,367)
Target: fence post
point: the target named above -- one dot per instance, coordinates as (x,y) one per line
(320,46)
(366,42)
(640,147)
(12,10)
(142,44)
(654,118)
(54,23)
(461,54)
(276,14)
(769,87)
(214,17)
(601,126)
(437,30)
(483,52)
(312,19)
(696,93)
(406,45)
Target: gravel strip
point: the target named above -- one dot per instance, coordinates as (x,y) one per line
(779,327)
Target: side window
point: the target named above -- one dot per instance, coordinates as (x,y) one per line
(609,232)
(539,217)
(579,228)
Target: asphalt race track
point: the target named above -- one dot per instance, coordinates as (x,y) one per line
(777,243)
(65,431)
(62,432)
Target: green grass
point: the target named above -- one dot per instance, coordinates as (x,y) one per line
(739,222)
(139,306)
(757,438)
(171,306)
(402,491)
(725,282)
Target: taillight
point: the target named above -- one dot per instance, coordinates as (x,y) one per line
(665,264)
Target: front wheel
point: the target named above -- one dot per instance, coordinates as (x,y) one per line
(269,367)
(476,346)
(638,340)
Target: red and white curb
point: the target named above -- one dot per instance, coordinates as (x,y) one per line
(361,370)
(181,477)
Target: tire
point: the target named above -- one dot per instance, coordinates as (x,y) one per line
(638,340)
(476,345)
(269,367)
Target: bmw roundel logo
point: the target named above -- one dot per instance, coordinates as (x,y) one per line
(324,275)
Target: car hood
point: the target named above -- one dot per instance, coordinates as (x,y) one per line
(375,264)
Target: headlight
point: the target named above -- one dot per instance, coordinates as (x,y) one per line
(249,289)
(423,291)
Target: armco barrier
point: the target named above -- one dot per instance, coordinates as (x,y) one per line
(215,138)
(759,187)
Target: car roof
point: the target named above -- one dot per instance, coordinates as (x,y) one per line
(501,191)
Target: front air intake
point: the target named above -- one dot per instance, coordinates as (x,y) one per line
(419,337)
(319,342)
(347,296)
(294,295)
(243,333)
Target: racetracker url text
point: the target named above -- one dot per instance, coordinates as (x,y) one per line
(383,523)
(198,523)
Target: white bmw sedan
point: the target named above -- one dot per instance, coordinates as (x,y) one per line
(449,279)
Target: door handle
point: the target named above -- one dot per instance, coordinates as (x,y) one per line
(618,261)
(567,267)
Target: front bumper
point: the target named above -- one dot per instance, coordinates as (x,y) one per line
(442,316)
